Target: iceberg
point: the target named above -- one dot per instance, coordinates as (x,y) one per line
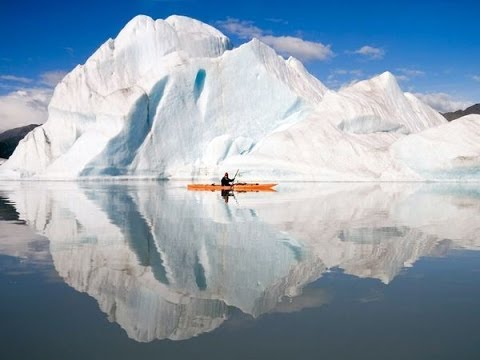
(444,152)
(346,138)
(173,99)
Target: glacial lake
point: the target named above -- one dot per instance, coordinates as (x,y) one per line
(149,270)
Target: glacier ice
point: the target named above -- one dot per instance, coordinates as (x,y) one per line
(173,99)
(449,151)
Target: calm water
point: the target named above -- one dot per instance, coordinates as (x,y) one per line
(328,271)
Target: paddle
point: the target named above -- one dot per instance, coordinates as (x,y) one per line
(235,175)
(233,193)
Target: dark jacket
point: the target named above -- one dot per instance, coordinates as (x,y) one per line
(226,181)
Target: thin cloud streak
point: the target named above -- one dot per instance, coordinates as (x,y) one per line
(370,52)
(411,72)
(341,72)
(277,21)
(48,78)
(342,78)
(70,51)
(243,29)
(18,79)
(52,78)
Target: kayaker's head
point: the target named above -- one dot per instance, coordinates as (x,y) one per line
(226,174)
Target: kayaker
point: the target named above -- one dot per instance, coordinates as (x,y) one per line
(226,181)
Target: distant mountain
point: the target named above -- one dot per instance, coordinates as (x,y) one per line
(474,109)
(10,139)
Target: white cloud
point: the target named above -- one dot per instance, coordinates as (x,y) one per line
(299,48)
(411,72)
(404,74)
(370,52)
(402,77)
(277,21)
(27,105)
(48,78)
(52,78)
(24,107)
(354,72)
(286,45)
(476,77)
(341,78)
(18,79)
(443,102)
(243,29)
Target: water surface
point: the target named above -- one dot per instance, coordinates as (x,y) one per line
(143,269)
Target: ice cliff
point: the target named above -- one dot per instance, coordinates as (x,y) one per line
(172,99)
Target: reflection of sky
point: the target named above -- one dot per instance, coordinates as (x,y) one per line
(167,263)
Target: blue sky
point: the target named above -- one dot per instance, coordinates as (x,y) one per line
(432,47)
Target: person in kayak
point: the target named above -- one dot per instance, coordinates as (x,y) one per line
(226,181)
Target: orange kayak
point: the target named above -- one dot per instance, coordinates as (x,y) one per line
(234,187)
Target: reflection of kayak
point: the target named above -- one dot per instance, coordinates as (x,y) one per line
(234,187)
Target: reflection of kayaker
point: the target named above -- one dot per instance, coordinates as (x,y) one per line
(226,194)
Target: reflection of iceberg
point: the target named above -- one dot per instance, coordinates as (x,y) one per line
(155,264)
(374,230)
(167,263)
(18,240)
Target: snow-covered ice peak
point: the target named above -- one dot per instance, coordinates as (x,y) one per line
(184,33)
(385,80)
(290,72)
(385,83)
(380,100)
(142,47)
